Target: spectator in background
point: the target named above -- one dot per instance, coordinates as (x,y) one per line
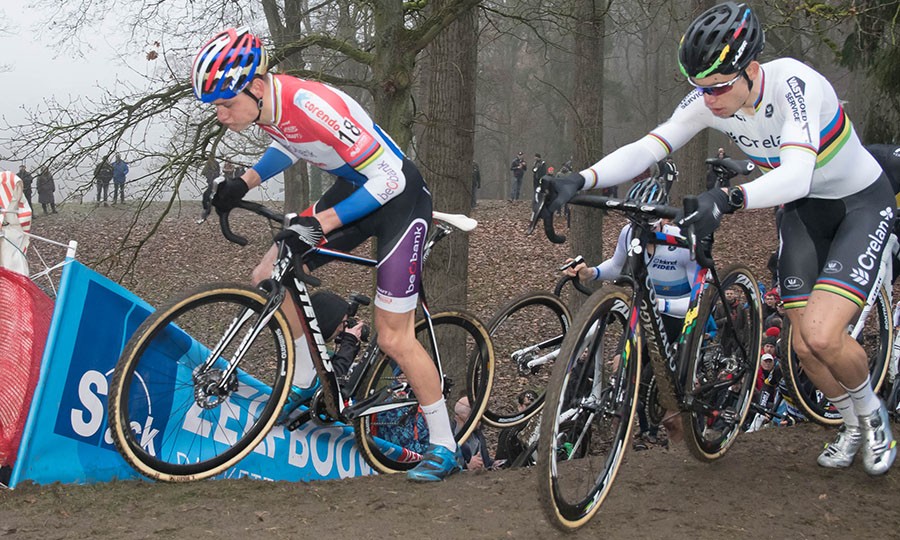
(476,183)
(771,300)
(770,346)
(517,167)
(27,180)
(210,171)
(45,188)
(538,170)
(509,443)
(103,174)
(712,179)
(777,318)
(347,335)
(120,171)
(228,170)
(475,451)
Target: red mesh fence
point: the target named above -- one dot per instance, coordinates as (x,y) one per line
(25,313)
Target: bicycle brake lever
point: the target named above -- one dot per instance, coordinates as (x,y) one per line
(572,264)
(207,204)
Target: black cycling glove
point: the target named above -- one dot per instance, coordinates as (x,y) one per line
(305,232)
(712,205)
(229,194)
(560,190)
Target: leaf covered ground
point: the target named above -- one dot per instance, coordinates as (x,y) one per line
(767,486)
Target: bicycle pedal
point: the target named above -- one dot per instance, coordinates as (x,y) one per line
(294,418)
(294,421)
(728,415)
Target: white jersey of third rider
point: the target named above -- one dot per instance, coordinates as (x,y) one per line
(671,270)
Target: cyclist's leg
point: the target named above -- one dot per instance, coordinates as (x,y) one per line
(806,243)
(831,357)
(401,230)
(671,420)
(343,239)
(396,337)
(858,232)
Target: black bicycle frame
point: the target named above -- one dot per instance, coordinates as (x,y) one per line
(636,274)
(288,274)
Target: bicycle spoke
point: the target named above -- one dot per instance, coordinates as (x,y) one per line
(181,412)
(591,403)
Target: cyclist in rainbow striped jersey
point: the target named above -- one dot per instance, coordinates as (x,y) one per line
(839,205)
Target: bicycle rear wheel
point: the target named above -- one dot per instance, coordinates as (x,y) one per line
(393,439)
(875,338)
(175,419)
(529,329)
(722,364)
(591,398)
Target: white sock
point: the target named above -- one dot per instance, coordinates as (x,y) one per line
(844,405)
(438,420)
(864,399)
(304,370)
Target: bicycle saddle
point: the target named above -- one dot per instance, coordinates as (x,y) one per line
(729,168)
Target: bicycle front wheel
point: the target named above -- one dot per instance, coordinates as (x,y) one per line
(722,363)
(175,413)
(587,419)
(393,438)
(527,334)
(875,338)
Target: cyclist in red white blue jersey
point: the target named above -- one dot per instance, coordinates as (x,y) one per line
(378,192)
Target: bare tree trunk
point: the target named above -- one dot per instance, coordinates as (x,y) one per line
(447,150)
(691,158)
(284,29)
(296,187)
(392,72)
(587,224)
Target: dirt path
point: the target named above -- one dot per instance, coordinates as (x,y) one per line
(768,486)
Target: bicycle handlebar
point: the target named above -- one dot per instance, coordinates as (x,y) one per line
(549,231)
(262,211)
(574,279)
(251,206)
(685,218)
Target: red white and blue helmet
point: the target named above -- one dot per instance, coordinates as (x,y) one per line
(227,64)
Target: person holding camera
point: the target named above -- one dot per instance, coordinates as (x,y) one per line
(345,332)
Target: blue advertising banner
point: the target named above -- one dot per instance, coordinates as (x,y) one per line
(66,438)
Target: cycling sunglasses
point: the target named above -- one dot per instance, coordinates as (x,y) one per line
(717,89)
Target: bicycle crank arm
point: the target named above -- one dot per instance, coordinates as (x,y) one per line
(703,408)
(542,360)
(379,402)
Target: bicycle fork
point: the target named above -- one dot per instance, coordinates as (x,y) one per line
(221,387)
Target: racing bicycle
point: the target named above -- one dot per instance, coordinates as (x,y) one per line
(707,374)
(204,379)
(526,334)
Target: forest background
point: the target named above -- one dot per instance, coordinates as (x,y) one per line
(455,82)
